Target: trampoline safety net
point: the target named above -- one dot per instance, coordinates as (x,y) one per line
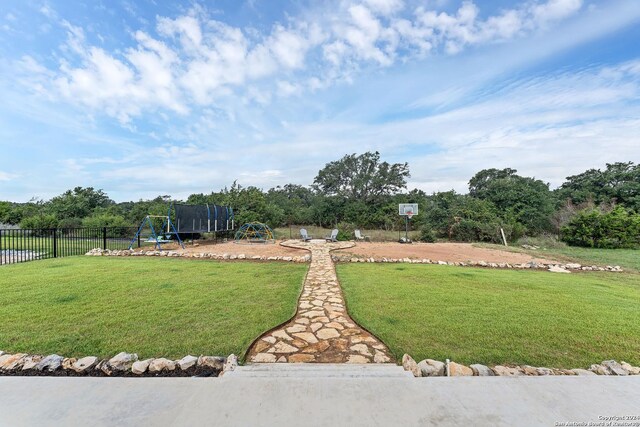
(203,218)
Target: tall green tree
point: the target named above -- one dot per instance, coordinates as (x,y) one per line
(362,177)
(524,200)
(78,203)
(619,183)
(295,201)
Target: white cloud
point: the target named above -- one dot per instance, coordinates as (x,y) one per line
(48,11)
(455,31)
(548,127)
(205,91)
(5,176)
(197,58)
(554,10)
(384,7)
(287,89)
(288,47)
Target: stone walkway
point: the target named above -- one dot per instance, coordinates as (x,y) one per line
(321,331)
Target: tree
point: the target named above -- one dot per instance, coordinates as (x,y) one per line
(5,213)
(78,203)
(524,200)
(296,202)
(363,178)
(463,218)
(481,182)
(618,183)
(250,204)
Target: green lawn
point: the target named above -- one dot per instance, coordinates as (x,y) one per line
(155,307)
(628,259)
(65,246)
(497,316)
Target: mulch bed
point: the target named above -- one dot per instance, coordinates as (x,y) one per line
(195,371)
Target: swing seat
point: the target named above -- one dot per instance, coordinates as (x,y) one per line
(160,240)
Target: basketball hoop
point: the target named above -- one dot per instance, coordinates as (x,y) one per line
(408,210)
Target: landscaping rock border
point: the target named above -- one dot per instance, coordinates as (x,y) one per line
(202,255)
(121,365)
(552,267)
(435,368)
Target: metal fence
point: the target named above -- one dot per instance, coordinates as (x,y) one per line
(32,244)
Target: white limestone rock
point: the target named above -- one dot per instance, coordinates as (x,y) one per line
(427,369)
(410,365)
(583,372)
(230,365)
(481,370)
(30,362)
(214,362)
(615,368)
(81,365)
(141,366)
(506,371)
(162,364)
(187,362)
(440,367)
(122,361)
(633,370)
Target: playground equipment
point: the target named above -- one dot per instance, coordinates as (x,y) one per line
(254,232)
(155,237)
(189,219)
(203,218)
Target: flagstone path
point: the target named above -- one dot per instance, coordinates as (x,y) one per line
(321,330)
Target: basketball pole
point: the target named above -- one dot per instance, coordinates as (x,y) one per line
(406,228)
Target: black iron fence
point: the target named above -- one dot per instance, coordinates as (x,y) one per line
(21,245)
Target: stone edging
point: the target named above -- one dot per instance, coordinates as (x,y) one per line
(205,255)
(122,364)
(435,368)
(553,267)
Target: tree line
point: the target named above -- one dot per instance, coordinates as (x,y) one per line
(598,208)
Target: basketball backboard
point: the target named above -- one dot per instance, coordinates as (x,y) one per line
(408,209)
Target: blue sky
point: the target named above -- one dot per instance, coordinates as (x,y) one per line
(145,98)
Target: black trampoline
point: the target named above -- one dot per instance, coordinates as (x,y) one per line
(195,219)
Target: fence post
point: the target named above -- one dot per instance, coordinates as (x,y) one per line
(55,243)
(104,238)
(138,240)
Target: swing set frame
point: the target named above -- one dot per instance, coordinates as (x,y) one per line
(154,235)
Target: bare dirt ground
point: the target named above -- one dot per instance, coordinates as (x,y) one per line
(267,249)
(460,252)
(454,252)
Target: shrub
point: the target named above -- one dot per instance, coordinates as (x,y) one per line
(427,235)
(105,220)
(40,221)
(345,231)
(70,223)
(618,228)
(469,230)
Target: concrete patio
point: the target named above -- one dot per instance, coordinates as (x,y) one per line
(320,401)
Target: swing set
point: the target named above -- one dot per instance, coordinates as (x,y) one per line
(190,219)
(161,238)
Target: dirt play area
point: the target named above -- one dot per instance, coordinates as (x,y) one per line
(454,252)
